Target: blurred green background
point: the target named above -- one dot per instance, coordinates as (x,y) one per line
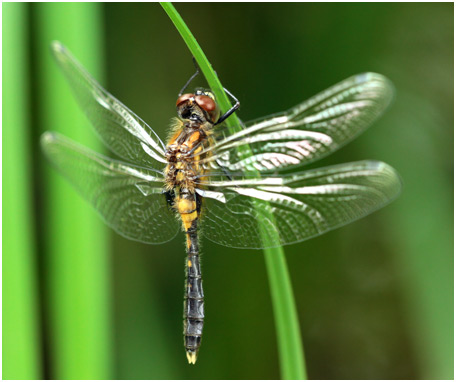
(375,298)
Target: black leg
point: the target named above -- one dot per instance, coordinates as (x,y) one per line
(231,111)
(191,78)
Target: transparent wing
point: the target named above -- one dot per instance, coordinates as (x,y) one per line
(307,132)
(129,198)
(118,127)
(297,206)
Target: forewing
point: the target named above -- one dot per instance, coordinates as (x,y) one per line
(118,127)
(250,213)
(129,198)
(307,132)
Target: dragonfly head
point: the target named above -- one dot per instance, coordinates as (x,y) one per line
(199,106)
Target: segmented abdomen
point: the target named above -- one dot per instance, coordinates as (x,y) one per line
(188,208)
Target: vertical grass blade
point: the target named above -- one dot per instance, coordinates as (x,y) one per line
(291,351)
(76,253)
(288,334)
(21,341)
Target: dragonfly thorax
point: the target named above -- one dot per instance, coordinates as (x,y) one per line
(182,154)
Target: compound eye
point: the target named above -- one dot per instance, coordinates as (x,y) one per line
(183,98)
(205,102)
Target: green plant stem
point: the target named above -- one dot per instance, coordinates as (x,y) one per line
(21,340)
(75,248)
(291,352)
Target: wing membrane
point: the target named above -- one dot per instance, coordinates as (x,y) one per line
(307,132)
(297,206)
(119,128)
(128,197)
(246,201)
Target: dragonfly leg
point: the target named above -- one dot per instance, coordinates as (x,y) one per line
(231,111)
(191,78)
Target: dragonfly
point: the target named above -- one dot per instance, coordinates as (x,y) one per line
(241,189)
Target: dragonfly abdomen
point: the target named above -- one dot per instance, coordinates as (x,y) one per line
(188,207)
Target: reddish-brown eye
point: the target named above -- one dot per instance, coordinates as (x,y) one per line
(205,102)
(183,98)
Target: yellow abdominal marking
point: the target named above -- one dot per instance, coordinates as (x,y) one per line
(189,263)
(185,206)
(191,357)
(187,220)
(187,211)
